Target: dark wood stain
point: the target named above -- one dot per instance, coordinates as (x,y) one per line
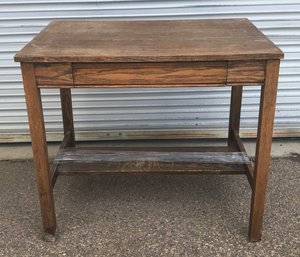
(39,147)
(263,149)
(163,74)
(149,41)
(74,54)
(67,114)
(53,73)
(150,73)
(130,161)
(67,142)
(246,72)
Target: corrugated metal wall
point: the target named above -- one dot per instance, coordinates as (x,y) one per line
(123,113)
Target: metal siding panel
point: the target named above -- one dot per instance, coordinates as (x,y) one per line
(148,109)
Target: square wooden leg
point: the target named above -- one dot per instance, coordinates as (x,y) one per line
(235,113)
(39,147)
(67,114)
(263,149)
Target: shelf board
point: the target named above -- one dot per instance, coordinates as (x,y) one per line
(164,160)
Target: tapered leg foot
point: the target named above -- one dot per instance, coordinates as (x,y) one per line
(50,237)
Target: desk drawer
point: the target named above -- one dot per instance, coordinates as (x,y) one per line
(149,73)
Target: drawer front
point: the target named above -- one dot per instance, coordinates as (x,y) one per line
(246,72)
(53,73)
(149,73)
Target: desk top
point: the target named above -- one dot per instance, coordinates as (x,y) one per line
(149,41)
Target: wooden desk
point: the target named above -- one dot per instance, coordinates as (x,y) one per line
(194,53)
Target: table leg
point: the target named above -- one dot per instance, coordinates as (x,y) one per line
(39,147)
(263,149)
(67,113)
(235,113)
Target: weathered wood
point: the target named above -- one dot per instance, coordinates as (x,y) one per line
(56,86)
(151,54)
(240,146)
(235,114)
(166,74)
(131,86)
(150,73)
(149,41)
(246,72)
(68,169)
(68,125)
(263,149)
(98,161)
(234,139)
(53,73)
(99,155)
(128,147)
(39,147)
(148,168)
(67,141)
(67,114)
(241,84)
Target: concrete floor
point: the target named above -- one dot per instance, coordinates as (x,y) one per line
(150,216)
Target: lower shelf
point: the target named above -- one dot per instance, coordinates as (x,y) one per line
(93,161)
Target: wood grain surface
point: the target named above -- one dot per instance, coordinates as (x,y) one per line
(263,149)
(53,73)
(149,41)
(167,53)
(92,161)
(159,74)
(246,72)
(39,147)
(150,73)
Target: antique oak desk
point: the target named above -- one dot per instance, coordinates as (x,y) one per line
(114,54)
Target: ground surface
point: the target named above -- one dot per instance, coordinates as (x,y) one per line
(150,216)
